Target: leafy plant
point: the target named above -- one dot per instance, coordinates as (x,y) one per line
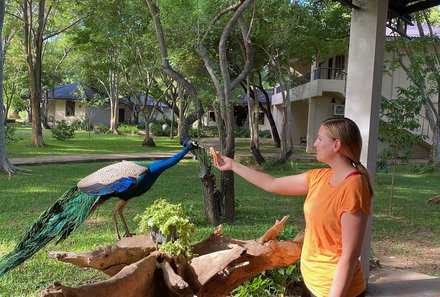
(10,134)
(170,221)
(398,131)
(270,283)
(101,129)
(128,129)
(63,131)
(258,286)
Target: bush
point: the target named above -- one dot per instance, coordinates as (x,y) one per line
(62,131)
(157,130)
(170,221)
(10,134)
(206,131)
(270,283)
(81,124)
(265,134)
(242,132)
(128,129)
(101,129)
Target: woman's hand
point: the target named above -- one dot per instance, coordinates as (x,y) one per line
(223,163)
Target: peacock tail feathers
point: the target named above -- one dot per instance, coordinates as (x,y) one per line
(64,216)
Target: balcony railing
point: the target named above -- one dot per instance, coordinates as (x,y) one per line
(329,73)
(318,73)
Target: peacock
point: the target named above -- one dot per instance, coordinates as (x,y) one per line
(124,180)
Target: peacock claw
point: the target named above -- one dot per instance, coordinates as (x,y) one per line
(128,234)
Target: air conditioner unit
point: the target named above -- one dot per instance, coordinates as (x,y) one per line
(338,110)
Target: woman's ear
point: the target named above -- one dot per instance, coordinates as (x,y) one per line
(337,145)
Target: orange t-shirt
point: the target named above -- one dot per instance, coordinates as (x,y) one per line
(322,246)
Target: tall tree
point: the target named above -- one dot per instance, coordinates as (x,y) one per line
(420,59)
(39,25)
(221,77)
(5,166)
(169,70)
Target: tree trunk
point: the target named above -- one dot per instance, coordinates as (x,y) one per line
(254,126)
(435,150)
(268,113)
(5,166)
(44,110)
(212,199)
(220,265)
(33,43)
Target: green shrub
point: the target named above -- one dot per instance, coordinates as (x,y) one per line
(206,131)
(82,124)
(170,221)
(265,134)
(157,130)
(10,134)
(270,283)
(242,132)
(101,129)
(425,168)
(62,131)
(128,129)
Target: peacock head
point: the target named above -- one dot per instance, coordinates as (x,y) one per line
(189,142)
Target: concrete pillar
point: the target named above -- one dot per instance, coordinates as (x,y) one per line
(311,125)
(364,82)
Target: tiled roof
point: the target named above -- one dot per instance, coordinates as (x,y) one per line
(72,92)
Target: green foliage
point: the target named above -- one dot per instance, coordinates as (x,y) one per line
(81,124)
(101,128)
(10,134)
(269,283)
(259,286)
(425,168)
(265,134)
(63,131)
(168,218)
(398,130)
(205,131)
(128,129)
(242,132)
(157,128)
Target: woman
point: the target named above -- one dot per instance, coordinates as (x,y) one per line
(336,208)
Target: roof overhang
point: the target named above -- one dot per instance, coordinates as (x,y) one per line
(399,11)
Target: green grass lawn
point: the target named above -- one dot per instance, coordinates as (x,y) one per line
(85,143)
(413,227)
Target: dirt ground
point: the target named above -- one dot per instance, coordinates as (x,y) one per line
(415,256)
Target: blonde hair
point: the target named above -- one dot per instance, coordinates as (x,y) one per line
(349,135)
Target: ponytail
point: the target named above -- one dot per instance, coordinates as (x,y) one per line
(364,171)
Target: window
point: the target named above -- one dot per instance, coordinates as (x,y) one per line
(212,116)
(70,108)
(121,115)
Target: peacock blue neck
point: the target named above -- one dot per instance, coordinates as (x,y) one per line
(161,165)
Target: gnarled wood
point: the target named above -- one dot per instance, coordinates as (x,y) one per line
(112,258)
(220,265)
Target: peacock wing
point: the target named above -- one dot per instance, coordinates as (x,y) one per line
(115,178)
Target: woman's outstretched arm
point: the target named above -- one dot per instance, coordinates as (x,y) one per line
(288,185)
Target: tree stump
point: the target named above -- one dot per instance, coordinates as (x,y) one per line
(220,264)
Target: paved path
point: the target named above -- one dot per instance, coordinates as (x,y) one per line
(384,282)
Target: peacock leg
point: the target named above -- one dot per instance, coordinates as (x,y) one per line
(115,222)
(124,224)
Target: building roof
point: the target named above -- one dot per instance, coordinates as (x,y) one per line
(413,32)
(73,91)
(400,13)
(150,101)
